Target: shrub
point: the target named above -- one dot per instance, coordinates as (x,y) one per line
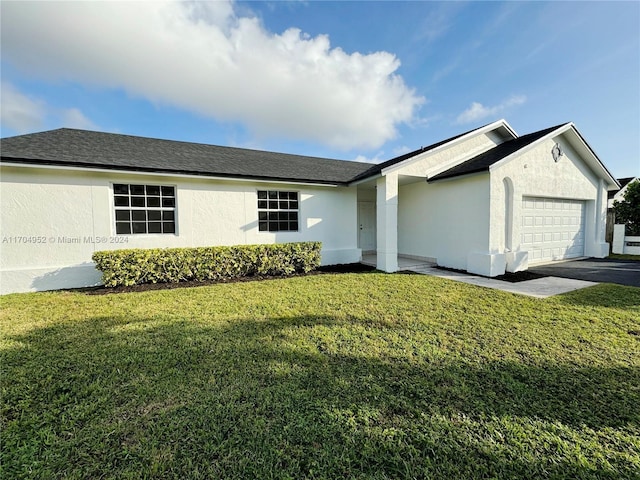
(628,210)
(162,265)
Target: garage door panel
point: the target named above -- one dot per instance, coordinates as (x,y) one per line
(552,228)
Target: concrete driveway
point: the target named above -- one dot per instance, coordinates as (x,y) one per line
(622,272)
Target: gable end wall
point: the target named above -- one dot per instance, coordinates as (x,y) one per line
(535,173)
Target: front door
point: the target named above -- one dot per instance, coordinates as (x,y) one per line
(367,226)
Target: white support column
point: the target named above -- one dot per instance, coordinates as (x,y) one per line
(618,239)
(595,245)
(387,222)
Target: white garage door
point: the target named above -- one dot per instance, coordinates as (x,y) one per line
(552,228)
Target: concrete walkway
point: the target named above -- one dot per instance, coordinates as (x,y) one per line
(540,287)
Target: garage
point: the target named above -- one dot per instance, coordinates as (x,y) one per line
(552,229)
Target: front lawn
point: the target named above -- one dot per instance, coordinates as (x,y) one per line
(624,256)
(330,376)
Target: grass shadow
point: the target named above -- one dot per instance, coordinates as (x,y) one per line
(296,398)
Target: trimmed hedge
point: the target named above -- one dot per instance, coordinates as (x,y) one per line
(166,265)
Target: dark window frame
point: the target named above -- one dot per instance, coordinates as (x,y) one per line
(278,211)
(144,209)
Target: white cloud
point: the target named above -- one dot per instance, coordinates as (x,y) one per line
(401,150)
(206,58)
(74,118)
(22,113)
(377,158)
(477,111)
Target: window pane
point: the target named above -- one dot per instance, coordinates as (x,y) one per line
(262,194)
(273,226)
(273,204)
(139,215)
(283,226)
(293,216)
(138,220)
(123,215)
(121,201)
(273,215)
(137,201)
(262,215)
(262,204)
(263,226)
(273,194)
(293,205)
(284,204)
(139,227)
(293,226)
(123,228)
(293,196)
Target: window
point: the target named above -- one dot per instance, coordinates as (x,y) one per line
(277,211)
(144,208)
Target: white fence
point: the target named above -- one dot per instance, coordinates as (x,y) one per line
(624,244)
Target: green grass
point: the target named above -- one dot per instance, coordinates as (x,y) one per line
(330,376)
(621,256)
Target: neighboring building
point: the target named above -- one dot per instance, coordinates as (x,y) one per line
(618,195)
(486,201)
(613,196)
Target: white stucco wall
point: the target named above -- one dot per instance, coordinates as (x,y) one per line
(445,220)
(535,173)
(54,219)
(436,161)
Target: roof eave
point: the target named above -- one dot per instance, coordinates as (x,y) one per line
(570,126)
(456,176)
(613,182)
(473,133)
(14,162)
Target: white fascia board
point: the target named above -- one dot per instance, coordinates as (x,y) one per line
(613,182)
(162,174)
(603,172)
(519,152)
(483,130)
(458,177)
(365,180)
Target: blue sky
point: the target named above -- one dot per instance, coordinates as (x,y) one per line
(350,80)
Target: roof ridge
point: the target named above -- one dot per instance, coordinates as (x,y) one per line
(483,161)
(378,167)
(182,142)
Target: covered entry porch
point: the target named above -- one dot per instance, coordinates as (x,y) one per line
(404,262)
(378,223)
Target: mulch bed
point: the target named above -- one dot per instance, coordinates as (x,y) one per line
(344,268)
(507,277)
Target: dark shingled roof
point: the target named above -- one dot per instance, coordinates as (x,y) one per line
(86,149)
(81,148)
(623,182)
(482,162)
(378,167)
